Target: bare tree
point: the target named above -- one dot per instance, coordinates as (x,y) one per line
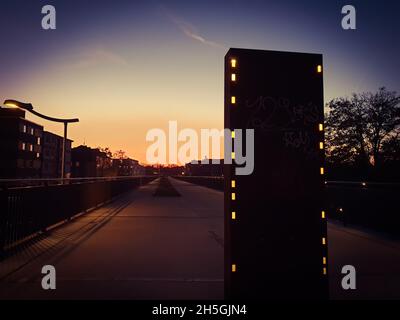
(383,110)
(120,154)
(361,128)
(106,150)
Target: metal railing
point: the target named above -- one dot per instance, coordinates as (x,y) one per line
(363,184)
(30,210)
(370,204)
(31,182)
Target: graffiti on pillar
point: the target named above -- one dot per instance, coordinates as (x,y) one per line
(270,114)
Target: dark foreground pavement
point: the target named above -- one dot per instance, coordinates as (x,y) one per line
(138,247)
(145,247)
(375,257)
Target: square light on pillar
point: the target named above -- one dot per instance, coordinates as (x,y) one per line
(233,100)
(233,77)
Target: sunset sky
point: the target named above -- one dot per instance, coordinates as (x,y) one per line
(124,67)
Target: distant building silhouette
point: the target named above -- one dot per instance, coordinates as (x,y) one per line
(206,169)
(92,162)
(20,145)
(27,151)
(127,167)
(52,156)
(171,170)
(152,170)
(84,162)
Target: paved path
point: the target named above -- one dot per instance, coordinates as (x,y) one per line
(138,247)
(145,247)
(375,257)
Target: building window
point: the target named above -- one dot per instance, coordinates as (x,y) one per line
(37,155)
(24,128)
(32,131)
(38,141)
(31,147)
(23,146)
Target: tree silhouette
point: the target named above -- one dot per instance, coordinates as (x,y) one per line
(120,154)
(391,149)
(106,150)
(363,130)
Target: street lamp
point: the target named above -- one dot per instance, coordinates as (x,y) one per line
(29,107)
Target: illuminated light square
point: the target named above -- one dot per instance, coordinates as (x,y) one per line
(233,134)
(324,241)
(233,99)
(324,260)
(233,196)
(233,267)
(233,183)
(233,215)
(233,63)
(233,77)
(324,271)
(321,170)
(321,145)
(323,214)
(319,68)
(233,155)
(321,127)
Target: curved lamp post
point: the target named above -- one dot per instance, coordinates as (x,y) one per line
(29,107)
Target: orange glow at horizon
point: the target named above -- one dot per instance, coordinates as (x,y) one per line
(122,91)
(118,102)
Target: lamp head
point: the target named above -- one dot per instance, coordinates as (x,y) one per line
(18,104)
